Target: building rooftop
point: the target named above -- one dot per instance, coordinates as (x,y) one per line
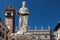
(9,8)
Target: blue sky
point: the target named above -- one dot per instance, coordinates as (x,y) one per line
(42,12)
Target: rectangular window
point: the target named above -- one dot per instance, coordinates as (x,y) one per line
(3,36)
(0,34)
(0,26)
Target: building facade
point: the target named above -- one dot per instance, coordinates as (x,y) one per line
(3,31)
(57,32)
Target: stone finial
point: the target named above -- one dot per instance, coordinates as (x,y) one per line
(29,27)
(16,29)
(35,27)
(49,27)
(23,4)
(42,27)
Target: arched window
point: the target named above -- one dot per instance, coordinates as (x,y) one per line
(9,14)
